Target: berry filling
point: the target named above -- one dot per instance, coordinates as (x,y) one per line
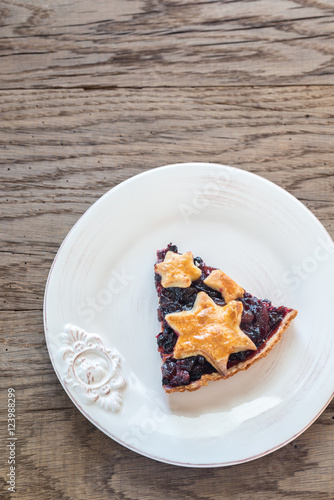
(260,319)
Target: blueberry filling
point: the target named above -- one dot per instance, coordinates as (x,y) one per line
(259,321)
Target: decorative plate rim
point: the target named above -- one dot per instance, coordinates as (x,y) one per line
(46,329)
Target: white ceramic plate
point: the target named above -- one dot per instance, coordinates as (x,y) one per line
(102,280)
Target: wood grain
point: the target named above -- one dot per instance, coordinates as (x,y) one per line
(92,93)
(70,147)
(152,43)
(62,149)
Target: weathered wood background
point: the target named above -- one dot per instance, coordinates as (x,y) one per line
(93,92)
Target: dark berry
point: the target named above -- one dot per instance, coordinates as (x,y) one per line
(259,320)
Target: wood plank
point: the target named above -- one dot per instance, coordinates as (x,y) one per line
(61,455)
(26,365)
(100,465)
(60,150)
(78,461)
(150,43)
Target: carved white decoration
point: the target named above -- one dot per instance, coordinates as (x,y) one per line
(92,369)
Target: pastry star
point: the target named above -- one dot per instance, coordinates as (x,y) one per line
(177,270)
(210,330)
(229,289)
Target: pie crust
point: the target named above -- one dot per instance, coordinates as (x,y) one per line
(189,340)
(210,331)
(262,353)
(177,270)
(229,289)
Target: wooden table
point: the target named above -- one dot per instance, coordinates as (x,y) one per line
(93,92)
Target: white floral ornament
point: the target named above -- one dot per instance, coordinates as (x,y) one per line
(92,369)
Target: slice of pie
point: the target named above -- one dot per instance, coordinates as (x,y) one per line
(211,328)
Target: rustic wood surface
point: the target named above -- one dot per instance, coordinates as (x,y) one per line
(92,93)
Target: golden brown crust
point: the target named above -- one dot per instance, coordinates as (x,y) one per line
(229,289)
(273,340)
(177,270)
(210,330)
